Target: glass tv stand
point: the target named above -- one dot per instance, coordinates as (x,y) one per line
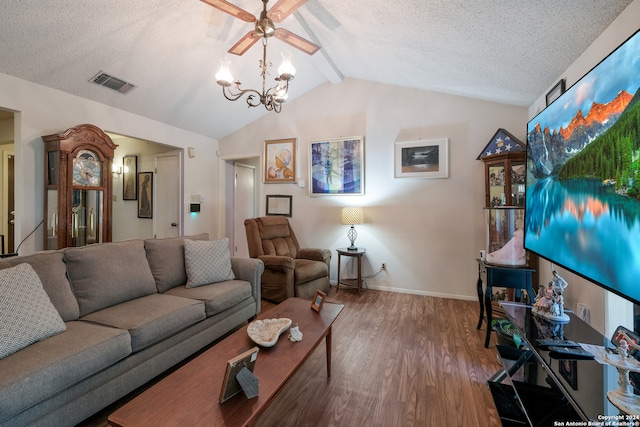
(536,388)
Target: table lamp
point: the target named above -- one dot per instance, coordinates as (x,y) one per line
(352,216)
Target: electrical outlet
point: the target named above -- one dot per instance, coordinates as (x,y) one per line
(384,266)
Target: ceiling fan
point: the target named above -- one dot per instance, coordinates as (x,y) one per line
(264,26)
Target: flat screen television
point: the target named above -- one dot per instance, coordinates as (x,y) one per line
(582,208)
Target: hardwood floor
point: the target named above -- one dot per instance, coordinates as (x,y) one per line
(398,360)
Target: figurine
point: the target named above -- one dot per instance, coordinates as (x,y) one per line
(550,300)
(624,397)
(512,252)
(294,334)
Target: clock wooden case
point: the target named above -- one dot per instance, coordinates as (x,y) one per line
(78,187)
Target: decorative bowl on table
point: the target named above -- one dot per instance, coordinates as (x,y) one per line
(266,332)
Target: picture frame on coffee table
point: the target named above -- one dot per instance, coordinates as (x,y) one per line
(318,301)
(230,385)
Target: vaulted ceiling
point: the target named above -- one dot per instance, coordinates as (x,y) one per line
(504,51)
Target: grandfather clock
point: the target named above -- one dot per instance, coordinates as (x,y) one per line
(78,187)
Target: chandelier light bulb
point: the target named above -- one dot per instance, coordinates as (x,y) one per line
(223,76)
(281,94)
(286,70)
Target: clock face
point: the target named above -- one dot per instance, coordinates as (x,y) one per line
(87,169)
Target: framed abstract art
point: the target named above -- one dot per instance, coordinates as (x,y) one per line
(336,166)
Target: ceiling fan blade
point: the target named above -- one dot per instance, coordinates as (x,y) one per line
(231,9)
(296,41)
(283,8)
(245,43)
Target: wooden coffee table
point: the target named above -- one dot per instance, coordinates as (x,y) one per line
(190,395)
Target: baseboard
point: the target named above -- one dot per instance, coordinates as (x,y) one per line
(417,292)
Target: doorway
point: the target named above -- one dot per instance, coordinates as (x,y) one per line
(168,214)
(7,174)
(244,205)
(240,200)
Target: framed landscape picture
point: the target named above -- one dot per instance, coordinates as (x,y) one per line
(336,166)
(280,161)
(422,159)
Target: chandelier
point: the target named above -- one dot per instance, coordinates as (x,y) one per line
(271,98)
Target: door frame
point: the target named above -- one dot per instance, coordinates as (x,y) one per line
(180,155)
(224,188)
(254,202)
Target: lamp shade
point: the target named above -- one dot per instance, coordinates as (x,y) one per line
(352,216)
(223,76)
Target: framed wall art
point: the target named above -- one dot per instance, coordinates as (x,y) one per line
(569,371)
(280,161)
(555,92)
(279,205)
(145,191)
(336,166)
(422,159)
(129,178)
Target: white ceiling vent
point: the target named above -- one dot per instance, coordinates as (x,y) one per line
(108,81)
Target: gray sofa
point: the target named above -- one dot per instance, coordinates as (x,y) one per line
(128,316)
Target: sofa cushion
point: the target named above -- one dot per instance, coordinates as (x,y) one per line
(109,273)
(166,260)
(53,274)
(151,318)
(217,297)
(26,312)
(57,363)
(207,262)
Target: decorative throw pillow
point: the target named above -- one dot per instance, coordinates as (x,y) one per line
(26,312)
(207,261)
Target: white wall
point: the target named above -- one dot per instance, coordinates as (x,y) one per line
(44,111)
(428,231)
(581,290)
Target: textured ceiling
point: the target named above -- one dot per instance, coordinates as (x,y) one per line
(504,51)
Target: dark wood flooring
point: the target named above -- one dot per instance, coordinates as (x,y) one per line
(398,360)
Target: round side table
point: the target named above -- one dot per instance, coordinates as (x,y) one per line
(351,283)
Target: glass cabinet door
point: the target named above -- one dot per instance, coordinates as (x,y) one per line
(518,171)
(496,178)
(86,217)
(52,220)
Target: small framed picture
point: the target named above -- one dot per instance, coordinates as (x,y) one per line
(230,385)
(280,161)
(555,92)
(145,191)
(130,178)
(318,301)
(279,205)
(569,371)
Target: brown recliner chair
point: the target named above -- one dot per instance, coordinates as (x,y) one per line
(289,271)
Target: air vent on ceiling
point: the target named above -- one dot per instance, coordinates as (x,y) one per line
(108,81)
